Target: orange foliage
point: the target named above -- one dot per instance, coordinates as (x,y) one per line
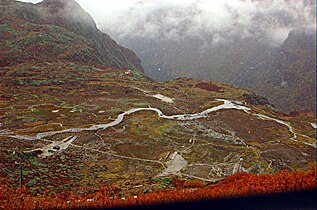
(193,184)
(239,184)
(179,183)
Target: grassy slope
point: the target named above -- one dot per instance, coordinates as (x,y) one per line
(85,95)
(46,31)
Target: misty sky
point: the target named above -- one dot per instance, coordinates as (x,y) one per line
(222,18)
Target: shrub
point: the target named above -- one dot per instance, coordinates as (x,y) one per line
(239,184)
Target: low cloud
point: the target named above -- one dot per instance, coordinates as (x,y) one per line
(223,20)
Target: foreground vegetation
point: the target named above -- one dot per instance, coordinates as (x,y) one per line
(239,184)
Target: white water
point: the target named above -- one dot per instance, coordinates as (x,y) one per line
(313,125)
(184,117)
(226,105)
(264,117)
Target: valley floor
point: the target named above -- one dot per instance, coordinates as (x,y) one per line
(92,127)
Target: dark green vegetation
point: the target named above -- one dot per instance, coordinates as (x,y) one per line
(53,92)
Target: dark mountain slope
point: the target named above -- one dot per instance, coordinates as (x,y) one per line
(178,45)
(194,57)
(285,75)
(58,30)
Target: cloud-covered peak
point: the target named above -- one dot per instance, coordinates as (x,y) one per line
(225,19)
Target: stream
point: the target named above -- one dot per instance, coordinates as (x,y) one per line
(226,105)
(181,117)
(177,162)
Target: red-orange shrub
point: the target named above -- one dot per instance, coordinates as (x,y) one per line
(239,184)
(193,184)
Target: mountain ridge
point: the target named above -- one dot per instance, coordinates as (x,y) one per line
(286,74)
(232,63)
(100,48)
